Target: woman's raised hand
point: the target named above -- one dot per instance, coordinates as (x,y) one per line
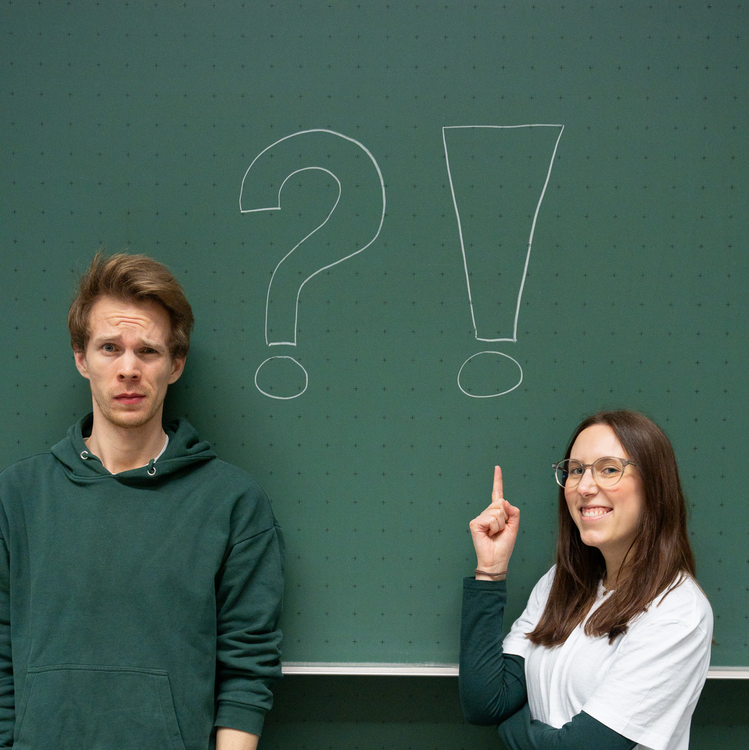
(494,533)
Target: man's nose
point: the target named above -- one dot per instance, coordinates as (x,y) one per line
(129,366)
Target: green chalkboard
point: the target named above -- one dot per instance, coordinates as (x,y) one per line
(419,238)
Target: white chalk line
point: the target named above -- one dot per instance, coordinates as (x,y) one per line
(533,225)
(272,395)
(325,267)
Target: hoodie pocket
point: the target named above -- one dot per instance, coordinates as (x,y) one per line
(69,707)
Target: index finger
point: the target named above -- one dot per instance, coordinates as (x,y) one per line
(497,488)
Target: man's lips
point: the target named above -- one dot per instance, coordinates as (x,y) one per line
(129,398)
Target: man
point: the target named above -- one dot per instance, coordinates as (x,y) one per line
(140,576)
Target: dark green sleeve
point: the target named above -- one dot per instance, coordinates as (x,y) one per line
(249,594)
(584,732)
(7,694)
(492,685)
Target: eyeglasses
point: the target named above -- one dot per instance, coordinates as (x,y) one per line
(606,471)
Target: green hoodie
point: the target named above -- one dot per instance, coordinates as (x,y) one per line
(137,610)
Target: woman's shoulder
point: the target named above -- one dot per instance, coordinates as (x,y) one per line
(683,601)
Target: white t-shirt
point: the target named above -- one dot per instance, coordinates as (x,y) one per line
(644,686)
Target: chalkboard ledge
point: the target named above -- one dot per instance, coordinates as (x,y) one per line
(370,668)
(438,670)
(728,673)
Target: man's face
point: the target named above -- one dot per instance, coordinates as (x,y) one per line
(127,361)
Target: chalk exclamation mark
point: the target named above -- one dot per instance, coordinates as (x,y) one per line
(498,176)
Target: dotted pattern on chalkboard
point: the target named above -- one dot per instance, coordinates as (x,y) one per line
(133,124)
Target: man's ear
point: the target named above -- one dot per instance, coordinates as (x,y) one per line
(80,363)
(178,365)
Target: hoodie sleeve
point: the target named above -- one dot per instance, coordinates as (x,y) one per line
(7,700)
(249,597)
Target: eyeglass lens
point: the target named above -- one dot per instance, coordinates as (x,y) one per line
(607,471)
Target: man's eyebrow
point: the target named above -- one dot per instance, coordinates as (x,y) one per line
(101,338)
(153,345)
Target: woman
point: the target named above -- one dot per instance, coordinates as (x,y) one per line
(613,647)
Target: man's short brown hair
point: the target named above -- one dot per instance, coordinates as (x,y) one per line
(131,278)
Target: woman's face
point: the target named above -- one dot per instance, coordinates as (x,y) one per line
(607,517)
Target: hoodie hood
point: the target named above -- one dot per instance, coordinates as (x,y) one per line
(185,449)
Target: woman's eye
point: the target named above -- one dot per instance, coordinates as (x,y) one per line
(610,470)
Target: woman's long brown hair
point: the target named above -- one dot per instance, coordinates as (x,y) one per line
(658,559)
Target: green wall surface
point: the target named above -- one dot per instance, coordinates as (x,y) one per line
(359,197)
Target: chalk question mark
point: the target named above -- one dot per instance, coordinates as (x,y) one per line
(499,160)
(360,208)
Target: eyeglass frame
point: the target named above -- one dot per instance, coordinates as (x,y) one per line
(625,462)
